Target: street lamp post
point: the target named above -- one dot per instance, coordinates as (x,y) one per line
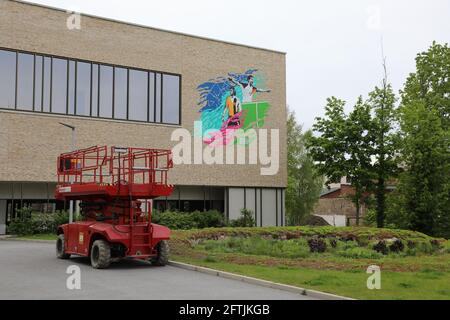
(74,143)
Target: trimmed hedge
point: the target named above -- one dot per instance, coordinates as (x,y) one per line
(189,220)
(37,223)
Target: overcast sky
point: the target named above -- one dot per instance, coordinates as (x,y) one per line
(333,47)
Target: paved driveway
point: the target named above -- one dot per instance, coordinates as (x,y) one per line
(30,270)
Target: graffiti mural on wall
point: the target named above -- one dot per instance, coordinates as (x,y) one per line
(231,103)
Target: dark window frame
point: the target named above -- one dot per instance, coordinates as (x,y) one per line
(99,64)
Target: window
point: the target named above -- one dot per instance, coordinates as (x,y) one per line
(7,79)
(120,93)
(171,99)
(138,102)
(158,98)
(39,83)
(71,88)
(152,97)
(83,89)
(25,75)
(46,84)
(38,67)
(106,92)
(95,93)
(59,86)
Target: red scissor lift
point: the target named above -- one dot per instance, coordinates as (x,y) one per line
(111,184)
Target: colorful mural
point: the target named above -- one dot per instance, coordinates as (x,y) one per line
(231,103)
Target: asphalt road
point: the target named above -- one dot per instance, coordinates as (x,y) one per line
(30,270)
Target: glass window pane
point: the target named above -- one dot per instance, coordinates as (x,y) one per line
(158,98)
(138,95)
(47,78)
(25,70)
(152,98)
(95,71)
(59,86)
(171,99)
(83,88)
(106,86)
(71,87)
(7,79)
(120,93)
(38,84)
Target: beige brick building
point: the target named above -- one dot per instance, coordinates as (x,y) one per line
(130,85)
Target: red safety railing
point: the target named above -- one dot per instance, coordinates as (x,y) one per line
(116,165)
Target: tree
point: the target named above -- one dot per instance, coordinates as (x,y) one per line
(343,147)
(304,185)
(385,142)
(425,127)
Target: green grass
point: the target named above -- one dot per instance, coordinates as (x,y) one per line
(38,237)
(350,283)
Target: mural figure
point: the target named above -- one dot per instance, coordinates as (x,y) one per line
(227,104)
(248,89)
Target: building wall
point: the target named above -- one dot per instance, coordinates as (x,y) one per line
(30,142)
(337,206)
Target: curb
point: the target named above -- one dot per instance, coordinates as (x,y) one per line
(259,282)
(27,240)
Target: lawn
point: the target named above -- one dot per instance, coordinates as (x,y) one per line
(421,270)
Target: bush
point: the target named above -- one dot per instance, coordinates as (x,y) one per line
(317,245)
(381,247)
(19,227)
(189,220)
(208,219)
(246,220)
(397,246)
(37,223)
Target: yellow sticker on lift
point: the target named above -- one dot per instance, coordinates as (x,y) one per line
(81,238)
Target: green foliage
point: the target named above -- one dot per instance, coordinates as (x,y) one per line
(385,142)
(189,220)
(359,253)
(424,187)
(37,222)
(246,220)
(344,146)
(285,243)
(304,183)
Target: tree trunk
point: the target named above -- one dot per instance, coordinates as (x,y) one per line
(358,209)
(381,199)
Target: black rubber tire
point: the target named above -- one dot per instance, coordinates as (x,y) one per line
(163,254)
(60,252)
(100,254)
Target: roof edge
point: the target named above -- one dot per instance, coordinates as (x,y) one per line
(150,27)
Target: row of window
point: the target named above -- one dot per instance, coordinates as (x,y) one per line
(39,83)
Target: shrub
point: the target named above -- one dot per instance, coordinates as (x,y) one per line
(189,220)
(19,227)
(37,223)
(246,220)
(381,247)
(396,246)
(209,219)
(175,220)
(317,245)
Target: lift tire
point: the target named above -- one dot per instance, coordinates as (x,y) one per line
(100,254)
(163,254)
(60,252)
